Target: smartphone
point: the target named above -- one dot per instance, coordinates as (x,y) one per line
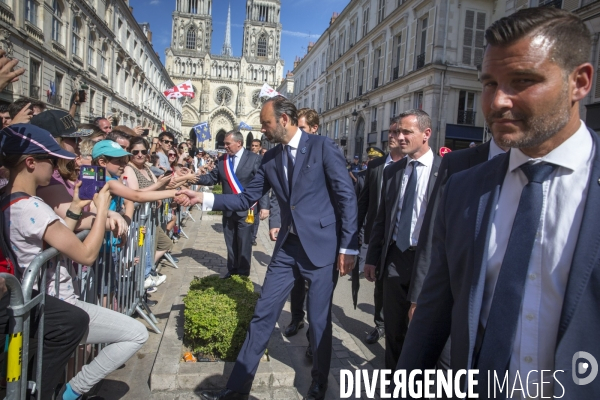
(169,172)
(92,179)
(82,96)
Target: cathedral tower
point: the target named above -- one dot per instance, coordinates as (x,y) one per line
(192,26)
(227,44)
(262,30)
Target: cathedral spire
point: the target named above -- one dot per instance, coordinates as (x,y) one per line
(227,45)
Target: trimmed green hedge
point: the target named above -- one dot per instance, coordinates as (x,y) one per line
(217,314)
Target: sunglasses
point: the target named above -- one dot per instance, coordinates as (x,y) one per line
(52,159)
(172,155)
(118,160)
(136,152)
(168,142)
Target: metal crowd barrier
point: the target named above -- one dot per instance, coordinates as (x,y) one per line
(115,281)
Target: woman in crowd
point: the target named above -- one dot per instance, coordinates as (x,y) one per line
(30,154)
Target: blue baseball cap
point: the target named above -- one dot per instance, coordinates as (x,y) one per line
(108,148)
(31,139)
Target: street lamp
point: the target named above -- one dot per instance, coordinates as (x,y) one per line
(354,115)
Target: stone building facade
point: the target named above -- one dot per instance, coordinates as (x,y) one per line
(91,45)
(226,88)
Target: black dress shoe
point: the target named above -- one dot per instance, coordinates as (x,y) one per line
(309,352)
(376,334)
(293,328)
(317,391)
(224,394)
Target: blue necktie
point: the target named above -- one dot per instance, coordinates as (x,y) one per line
(290,166)
(403,234)
(500,330)
(232,163)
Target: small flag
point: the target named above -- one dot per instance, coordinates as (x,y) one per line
(202,132)
(163,127)
(444,151)
(183,89)
(245,126)
(268,91)
(52,88)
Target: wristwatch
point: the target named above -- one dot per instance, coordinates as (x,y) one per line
(72,215)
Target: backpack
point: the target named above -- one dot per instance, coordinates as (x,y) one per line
(7,257)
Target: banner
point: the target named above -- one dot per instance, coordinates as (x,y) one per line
(202,131)
(268,91)
(181,90)
(245,126)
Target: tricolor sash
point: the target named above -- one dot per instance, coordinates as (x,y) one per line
(235,185)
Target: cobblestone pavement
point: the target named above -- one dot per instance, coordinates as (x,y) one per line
(204,253)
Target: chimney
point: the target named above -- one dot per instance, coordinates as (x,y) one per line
(310,46)
(297,61)
(333,18)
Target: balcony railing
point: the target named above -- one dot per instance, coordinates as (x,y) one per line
(373,126)
(55,100)
(420,61)
(550,3)
(34,92)
(466,117)
(395,72)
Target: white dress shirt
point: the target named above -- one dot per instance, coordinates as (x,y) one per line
(495,150)
(564,200)
(425,162)
(209,198)
(238,157)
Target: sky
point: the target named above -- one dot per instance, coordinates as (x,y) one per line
(303,21)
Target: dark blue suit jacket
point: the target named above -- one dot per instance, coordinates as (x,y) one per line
(450,301)
(322,204)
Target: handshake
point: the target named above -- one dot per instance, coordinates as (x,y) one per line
(188,198)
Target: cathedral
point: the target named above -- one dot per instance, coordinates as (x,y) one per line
(226,88)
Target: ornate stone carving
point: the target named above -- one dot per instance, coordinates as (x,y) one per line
(223,96)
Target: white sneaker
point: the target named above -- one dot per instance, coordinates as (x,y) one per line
(159,280)
(149,282)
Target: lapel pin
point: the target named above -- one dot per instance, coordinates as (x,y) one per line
(598,181)
(303,150)
(435,175)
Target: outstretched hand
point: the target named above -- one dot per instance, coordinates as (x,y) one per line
(7,75)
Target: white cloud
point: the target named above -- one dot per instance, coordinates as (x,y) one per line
(155,2)
(301,34)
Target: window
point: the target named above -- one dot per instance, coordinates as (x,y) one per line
(473,38)
(323,61)
(91,49)
(422,38)
(103,60)
(191,39)
(31,11)
(374,120)
(466,108)
(376,66)
(380,11)
(336,128)
(348,84)
(361,76)
(395,108)
(56,21)
(261,50)
(352,37)
(418,100)
(312,101)
(75,37)
(320,99)
(34,79)
(398,57)
(365,27)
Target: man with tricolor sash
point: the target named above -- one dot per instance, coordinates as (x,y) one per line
(235,170)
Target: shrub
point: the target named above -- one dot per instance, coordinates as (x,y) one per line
(217,314)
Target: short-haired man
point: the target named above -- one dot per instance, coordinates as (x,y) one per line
(308,120)
(4,114)
(318,239)
(256,146)
(122,138)
(514,280)
(166,140)
(237,165)
(104,125)
(368,204)
(405,191)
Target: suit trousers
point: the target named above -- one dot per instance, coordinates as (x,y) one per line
(238,238)
(289,264)
(297,299)
(396,281)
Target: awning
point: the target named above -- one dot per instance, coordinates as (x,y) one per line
(464,132)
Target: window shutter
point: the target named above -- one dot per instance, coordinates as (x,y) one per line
(402,52)
(468,37)
(479,38)
(411,45)
(430,36)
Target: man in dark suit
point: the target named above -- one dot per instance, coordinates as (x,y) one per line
(317,240)
(405,190)
(237,232)
(514,265)
(452,163)
(368,203)
(256,147)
